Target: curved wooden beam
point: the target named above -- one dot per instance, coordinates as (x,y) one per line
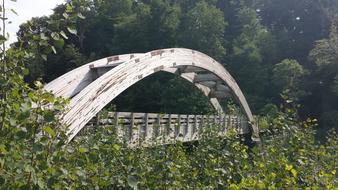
(205,89)
(73,82)
(89,101)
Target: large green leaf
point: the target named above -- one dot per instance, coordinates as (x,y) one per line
(72,30)
(50,131)
(132,181)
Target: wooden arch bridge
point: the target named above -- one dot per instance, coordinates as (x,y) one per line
(92,86)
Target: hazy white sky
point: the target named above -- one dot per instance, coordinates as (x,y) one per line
(27,9)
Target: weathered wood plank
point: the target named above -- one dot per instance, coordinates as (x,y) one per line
(71,83)
(205,78)
(222,87)
(219,94)
(210,84)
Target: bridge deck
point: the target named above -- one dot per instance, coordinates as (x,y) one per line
(151,128)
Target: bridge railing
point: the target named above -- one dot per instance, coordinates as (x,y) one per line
(149,128)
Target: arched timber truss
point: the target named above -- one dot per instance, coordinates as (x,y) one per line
(92,86)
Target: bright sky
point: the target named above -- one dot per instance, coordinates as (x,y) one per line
(27,9)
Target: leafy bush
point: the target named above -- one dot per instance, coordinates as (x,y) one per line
(34,155)
(290,159)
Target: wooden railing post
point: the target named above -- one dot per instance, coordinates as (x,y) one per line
(201,125)
(146,126)
(208,122)
(229,122)
(177,130)
(215,119)
(170,131)
(131,128)
(158,127)
(97,119)
(116,123)
(224,123)
(195,127)
(186,128)
(240,123)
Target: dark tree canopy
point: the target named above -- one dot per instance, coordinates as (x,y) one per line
(269,46)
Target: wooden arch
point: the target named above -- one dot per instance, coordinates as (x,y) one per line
(92,86)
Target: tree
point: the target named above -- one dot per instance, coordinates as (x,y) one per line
(323,80)
(246,59)
(325,53)
(287,76)
(43,37)
(292,22)
(203,29)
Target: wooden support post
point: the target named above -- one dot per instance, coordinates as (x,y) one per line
(131,128)
(177,129)
(241,125)
(171,131)
(167,127)
(149,131)
(229,122)
(195,126)
(116,123)
(186,128)
(224,123)
(97,120)
(200,128)
(207,123)
(212,121)
(158,131)
(215,119)
(145,126)
(236,124)
(191,126)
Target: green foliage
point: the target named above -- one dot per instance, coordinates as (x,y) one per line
(329,119)
(292,24)
(42,37)
(33,152)
(287,73)
(290,159)
(324,56)
(247,43)
(31,139)
(325,52)
(203,29)
(270,110)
